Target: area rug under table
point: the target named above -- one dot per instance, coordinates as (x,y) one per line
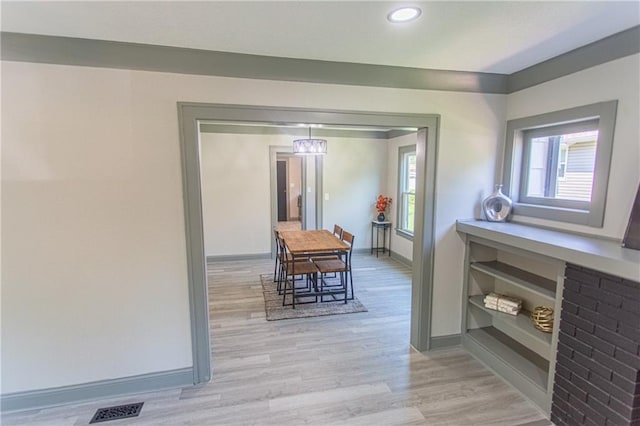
(275,311)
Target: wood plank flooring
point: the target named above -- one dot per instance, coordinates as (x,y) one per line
(353,369)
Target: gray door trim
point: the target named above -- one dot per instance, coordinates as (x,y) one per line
(189,117)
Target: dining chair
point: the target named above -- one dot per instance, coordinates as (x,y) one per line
(284,259)
(339,266)
(292,267)
(337,231)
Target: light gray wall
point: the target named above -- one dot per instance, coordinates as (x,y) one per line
(92,191)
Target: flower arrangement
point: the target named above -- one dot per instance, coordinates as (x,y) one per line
(382,203)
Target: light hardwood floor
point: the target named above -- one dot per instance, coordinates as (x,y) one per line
(354,369)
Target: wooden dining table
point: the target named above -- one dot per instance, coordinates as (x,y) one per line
(318,242)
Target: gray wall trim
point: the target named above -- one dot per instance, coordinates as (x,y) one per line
(423,239)
(95,390)
(194,236)
(614,47)
(135,56)
(291,131)
(250,256)
(190,116)
(444,342)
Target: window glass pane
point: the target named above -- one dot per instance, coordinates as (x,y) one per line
(562,166)
(407,189)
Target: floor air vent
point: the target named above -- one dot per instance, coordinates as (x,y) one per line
(117,412)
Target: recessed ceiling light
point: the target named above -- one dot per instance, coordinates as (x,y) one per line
(404,14)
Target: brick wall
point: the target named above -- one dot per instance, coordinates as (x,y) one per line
(597,378)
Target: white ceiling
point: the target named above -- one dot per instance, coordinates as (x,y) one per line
(482,36)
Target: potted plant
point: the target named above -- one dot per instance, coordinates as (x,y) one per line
(381,206)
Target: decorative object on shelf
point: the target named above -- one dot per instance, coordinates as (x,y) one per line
(382,203)
(502,303)
(497,206)
(632,235)
(542,317)
(310,146)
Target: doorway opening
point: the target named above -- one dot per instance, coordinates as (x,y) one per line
(191,115)
(289,191)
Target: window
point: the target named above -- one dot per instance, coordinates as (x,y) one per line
(557,164)
(406,190)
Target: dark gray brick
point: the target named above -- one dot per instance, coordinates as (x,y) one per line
(588,411)
(576,344)
(597,318)
(570,306)
(565,350)
(568,328)
(626,317)
(623,409)
(579,299)
(592,390)
(631,305)
(560,393)
(612,389)
(595,342)
(632,360)
(571,287)
(578,321)
(592,365)
(617,339)
(573,367)
(627,384)
(562,366)
(572,389)
(608,412)
(615,365)
(599,421)
(583,277)
(628,332)
(602,295)
(558,416)
(624,288)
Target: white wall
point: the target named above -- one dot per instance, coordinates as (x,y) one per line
(355,171)
(613,80)
(94,277)
(236,193)
(399,245)
(235,172)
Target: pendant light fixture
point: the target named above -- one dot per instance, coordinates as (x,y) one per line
(310,146)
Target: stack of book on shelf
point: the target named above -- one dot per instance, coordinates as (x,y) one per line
(502,303)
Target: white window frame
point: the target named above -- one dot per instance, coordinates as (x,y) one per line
(403,152)
(515,164)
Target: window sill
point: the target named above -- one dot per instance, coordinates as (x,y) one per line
(404,234)
(559,214)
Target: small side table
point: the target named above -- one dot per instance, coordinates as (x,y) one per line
(375,225)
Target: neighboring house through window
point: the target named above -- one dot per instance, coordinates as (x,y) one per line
(557,164)
(406,190)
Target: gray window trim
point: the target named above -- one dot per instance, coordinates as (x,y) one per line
(590,214)
(401,153)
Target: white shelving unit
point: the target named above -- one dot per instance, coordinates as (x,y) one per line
(510,344)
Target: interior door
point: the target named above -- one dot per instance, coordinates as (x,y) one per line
(281,171)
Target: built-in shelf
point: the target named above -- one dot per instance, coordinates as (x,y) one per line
(511,345)
(518,277)
(517,361)
(519,327)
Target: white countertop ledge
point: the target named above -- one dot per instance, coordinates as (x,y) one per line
(594,253)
